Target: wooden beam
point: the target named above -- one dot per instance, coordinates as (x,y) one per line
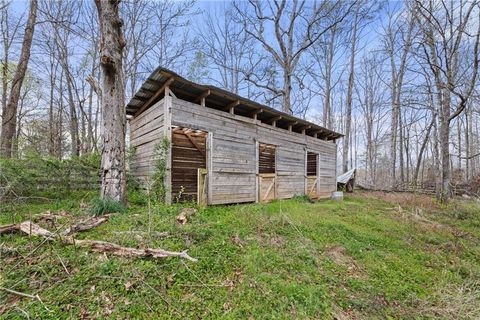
(202,97)
(231,106)
(274,120)
(155,96)
(256,112)
(195,143)
(290,126)
(169,92)
(305,128)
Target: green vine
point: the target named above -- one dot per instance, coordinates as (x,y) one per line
(158,189)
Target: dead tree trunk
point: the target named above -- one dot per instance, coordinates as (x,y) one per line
(9,119)
(113,116)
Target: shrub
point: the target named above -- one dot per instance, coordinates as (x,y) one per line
(158,190)
(36,176)
(100,206)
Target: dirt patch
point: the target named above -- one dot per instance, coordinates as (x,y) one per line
(338,254)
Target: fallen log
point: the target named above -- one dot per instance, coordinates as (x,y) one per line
(32,229)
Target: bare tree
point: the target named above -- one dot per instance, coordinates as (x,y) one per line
(114,119)
(226,47)
(450,44)
(296,27)
(9,118)
(398,39)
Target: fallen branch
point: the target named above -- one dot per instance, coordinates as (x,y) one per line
(33,229)
(25,295)
(27,227)
(143,233)
(115,249)
(85,225)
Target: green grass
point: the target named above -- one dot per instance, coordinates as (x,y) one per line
(288,259)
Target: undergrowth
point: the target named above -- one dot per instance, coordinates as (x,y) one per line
(100,206)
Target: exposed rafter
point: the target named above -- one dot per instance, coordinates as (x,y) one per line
(255,113)
(156,95)
(290,126)
(275,119)
(231,106)
(201,98)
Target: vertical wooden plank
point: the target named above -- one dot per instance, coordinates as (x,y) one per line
(336,173)
(257,190)
(167,127)
(275,180)
(209,166)
(305,169)
(318,174)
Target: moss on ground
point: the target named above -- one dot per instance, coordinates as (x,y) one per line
(366,257)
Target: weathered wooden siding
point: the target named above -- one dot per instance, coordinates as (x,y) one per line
(146,131)
(233,167)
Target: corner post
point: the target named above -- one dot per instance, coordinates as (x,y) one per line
(167,132)
(305,171)
(256,171)
(318,173)
(209,167)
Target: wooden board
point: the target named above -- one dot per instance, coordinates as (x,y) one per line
(267,187)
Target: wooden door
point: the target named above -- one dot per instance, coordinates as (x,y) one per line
(267,186)
(312,186)
(188,156)
(311,174)
(267,177)
(202,187)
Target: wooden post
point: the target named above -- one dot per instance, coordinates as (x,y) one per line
(231,106)
(209,167)
(167,131)
(305,172)
(257,191)
(318,173)
(202,97)
(274,120)
(256,112)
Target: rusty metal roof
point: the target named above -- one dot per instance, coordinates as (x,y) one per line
(219,99)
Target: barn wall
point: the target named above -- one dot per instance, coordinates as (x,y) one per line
(146,131)
(232,174)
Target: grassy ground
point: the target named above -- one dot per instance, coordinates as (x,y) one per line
(371,256)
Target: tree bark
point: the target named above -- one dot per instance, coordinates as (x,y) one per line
(113,116)
(9,119)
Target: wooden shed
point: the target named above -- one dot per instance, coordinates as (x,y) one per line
(225,148)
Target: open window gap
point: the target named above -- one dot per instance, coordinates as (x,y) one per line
(266,158)
(312,164)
